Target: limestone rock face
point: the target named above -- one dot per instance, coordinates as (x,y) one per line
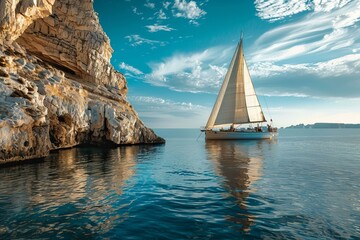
(57,86)
(17,15)
(73,38)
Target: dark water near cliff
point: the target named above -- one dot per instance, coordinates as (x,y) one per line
(305,185)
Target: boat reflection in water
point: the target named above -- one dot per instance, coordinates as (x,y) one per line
(240,165)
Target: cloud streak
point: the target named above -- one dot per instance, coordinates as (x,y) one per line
(204,72)
(318,32)
(130,69)
(157,28)
(193,72)
(158,103)
(334,78)
(342,66)
(137,40)
(274,10)
(169,113)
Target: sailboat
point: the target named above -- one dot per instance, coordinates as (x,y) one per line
(237,104)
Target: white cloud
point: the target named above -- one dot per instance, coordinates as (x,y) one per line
(130,69)
(274,10)
(169,113)
(347,18)
(160,103)
(196,23)
(166,4)
(149,5)
(285,94)
(193,72)
(188,10)
(339,77)
(328,5)
(220,71)
(156,28)
(135,10)
(204,72)
(342,66)
(161,15)
(136,40)
(316,33)
(267,69)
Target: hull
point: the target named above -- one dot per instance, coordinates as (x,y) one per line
(223,135)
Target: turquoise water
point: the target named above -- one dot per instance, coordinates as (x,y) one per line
(304,185)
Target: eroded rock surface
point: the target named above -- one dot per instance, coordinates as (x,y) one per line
(17,15)
(57,86)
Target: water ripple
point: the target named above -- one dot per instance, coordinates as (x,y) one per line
(302,186)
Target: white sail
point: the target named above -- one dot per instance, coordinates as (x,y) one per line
(237,101)
(219,100)
(254,110)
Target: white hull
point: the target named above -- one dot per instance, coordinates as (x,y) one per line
(238,135)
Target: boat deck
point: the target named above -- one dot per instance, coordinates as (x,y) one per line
(239,135)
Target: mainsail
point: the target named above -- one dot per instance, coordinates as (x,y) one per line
(237,101)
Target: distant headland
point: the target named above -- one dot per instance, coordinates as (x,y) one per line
(325,125)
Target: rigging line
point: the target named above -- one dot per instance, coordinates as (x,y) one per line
(199,136)
(267,107)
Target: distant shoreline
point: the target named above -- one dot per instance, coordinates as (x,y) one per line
(325,125)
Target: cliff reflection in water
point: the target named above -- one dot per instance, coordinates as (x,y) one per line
(240,164)
(74,173)
(80,183)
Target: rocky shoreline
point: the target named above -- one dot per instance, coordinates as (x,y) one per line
(57,86)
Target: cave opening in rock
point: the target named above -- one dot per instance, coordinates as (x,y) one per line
(44,38)
(56,65)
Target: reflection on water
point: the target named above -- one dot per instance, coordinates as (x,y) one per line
(78,183)
(240,165)
(305,186)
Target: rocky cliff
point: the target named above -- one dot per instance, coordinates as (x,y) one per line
(57,86)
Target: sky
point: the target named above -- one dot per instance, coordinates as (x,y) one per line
(303,56)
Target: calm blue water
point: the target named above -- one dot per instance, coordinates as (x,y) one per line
(305,185)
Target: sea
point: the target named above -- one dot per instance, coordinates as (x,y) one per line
(303,185)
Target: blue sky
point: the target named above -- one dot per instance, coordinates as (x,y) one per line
(303,55)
